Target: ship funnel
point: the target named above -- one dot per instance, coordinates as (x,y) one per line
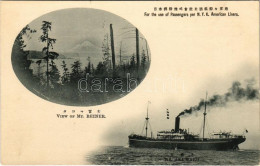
(177,123)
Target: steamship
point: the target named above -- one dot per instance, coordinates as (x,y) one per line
(178,138)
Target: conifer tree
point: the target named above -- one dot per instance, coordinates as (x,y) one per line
(50,55)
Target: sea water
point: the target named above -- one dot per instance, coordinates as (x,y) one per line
(120,155)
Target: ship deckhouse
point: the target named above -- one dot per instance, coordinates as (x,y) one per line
(170,135)
(178,138)
(224,135)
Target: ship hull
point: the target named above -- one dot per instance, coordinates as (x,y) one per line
(229,144)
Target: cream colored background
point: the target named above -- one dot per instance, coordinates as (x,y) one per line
(205,53)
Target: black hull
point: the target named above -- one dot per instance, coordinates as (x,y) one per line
(227,144)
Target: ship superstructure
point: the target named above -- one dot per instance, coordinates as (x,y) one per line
(178,138)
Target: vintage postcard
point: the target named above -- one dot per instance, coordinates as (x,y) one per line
(130,83)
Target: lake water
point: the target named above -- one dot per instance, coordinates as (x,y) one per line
(58,62)
(120,155)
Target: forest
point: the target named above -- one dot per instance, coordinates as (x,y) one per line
(78,85)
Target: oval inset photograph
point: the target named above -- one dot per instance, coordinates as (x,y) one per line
(80,57)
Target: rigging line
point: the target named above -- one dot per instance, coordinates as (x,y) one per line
(206,126)
(150,126)
(208,129)
(143,128)
(201,128)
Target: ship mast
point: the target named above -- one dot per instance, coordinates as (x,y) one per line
(147,119)
(205,103)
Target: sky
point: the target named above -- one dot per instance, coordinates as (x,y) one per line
(83,31)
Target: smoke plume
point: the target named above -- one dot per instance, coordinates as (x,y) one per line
(235,93)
